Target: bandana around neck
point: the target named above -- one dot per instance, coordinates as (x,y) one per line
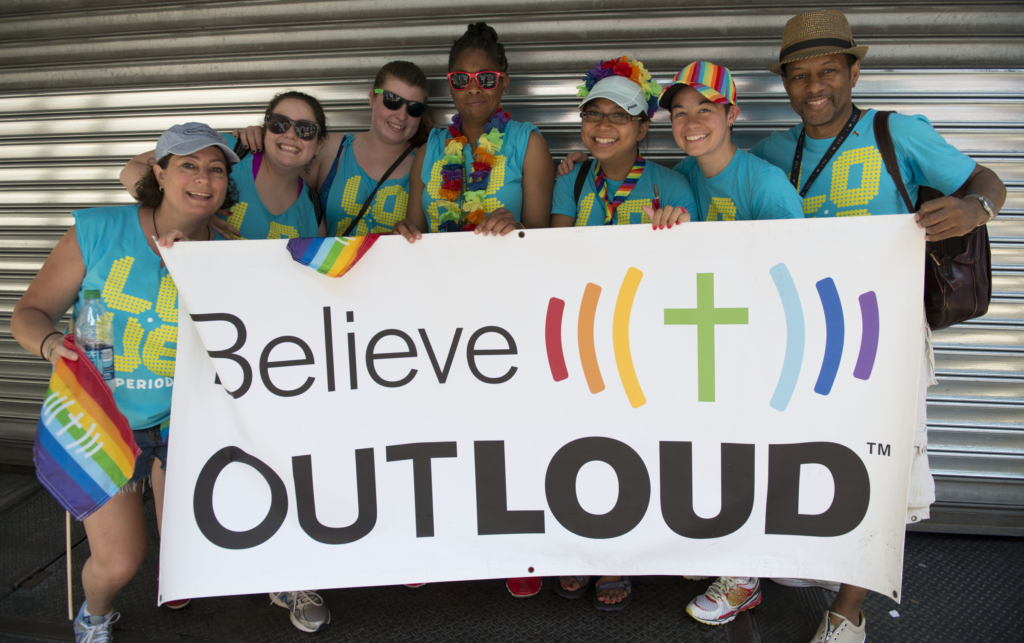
(601,183)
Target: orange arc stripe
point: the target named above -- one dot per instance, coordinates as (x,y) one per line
(585,336)
(620,337)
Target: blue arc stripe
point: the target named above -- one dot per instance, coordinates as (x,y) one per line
(794,337)
(835,335)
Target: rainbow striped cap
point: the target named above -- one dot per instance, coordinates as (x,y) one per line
(714,81)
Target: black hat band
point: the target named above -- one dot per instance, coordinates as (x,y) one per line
(818,42)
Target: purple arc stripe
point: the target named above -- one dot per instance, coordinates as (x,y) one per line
(869,336)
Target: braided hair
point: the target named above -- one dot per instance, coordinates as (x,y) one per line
(479,36)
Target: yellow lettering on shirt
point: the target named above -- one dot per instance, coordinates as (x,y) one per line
(166,301)
(496,181)
(721,209)
(237,215)
(871,161)
(133,333)
(156,350)
(586,206)
(624,213)
(113,289)
(279,231)
(382,218)
(812,204)
(853,213)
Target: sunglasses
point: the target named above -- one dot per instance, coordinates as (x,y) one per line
(460,80)
(279,124)
(394,103)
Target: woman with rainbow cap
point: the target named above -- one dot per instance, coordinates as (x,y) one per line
(730,184)
(621,187)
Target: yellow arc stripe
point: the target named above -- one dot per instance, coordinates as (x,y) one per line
(620,337)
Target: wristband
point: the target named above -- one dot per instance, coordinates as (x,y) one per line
(43,343)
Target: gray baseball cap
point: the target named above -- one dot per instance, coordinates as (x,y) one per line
(621,91)
(192,137)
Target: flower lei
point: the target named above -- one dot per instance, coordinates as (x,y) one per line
(631,69)
(464,209)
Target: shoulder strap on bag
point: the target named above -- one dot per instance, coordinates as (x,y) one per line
(315,198)
(369,199)
(581,180)
(240,150)
(883,138)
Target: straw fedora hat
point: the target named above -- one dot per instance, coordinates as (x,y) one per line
(816,33)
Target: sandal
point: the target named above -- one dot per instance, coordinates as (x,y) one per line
(582,581)
(625,584)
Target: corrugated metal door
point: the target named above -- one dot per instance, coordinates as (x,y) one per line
(85,85)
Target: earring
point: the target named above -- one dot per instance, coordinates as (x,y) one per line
(161,188)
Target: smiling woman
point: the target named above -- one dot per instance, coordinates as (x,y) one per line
(113,251)
(274,202)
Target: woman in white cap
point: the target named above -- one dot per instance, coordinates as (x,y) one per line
(274,201)
(113,251)
(619,186)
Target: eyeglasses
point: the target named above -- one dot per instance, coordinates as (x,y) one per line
(460,80)
(394,103)
(279,124)
(616,118)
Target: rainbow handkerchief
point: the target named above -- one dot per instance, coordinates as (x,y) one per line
(331,256)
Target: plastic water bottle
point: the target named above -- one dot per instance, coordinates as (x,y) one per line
(94,334)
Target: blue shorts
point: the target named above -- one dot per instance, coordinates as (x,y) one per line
(152,445)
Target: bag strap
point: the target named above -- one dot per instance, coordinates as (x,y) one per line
(240,150)
(369,199)
(317,210)
(883,138)
(581,180)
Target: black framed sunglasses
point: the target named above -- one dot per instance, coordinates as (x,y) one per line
(394,103)
(279,124)
(460,80)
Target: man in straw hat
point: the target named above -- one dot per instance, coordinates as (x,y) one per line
(834,162)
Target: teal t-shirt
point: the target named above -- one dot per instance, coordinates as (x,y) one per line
(747,189)
(349,187)
(855,183)
(673,189)
(505,187)
(250,217)
(140,295)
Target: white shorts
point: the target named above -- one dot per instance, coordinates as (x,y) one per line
(921,493)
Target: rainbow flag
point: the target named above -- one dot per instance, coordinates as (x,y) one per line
(331,256)
(84,450)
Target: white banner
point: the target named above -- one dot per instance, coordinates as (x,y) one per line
(717,399)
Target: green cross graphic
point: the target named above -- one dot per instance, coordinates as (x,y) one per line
(705,317)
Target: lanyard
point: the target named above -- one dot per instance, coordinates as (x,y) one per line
(794,175)
(624,190)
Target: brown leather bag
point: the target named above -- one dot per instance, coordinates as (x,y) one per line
(958,271)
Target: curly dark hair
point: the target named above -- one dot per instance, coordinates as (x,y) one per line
(480,36)
(410,74)
(149,194)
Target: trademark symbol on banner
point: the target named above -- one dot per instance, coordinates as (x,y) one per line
(883,449)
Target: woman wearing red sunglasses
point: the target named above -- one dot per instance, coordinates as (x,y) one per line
(373,165)
(485,173)
(274,201)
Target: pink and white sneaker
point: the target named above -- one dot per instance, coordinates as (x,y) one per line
(727,597)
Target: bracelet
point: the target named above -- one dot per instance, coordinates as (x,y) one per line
(43,343)
(49,352)
(520,226)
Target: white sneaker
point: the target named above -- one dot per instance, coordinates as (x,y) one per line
(807,582)
(836,629)
(308,612)
(94,629)
(727,597)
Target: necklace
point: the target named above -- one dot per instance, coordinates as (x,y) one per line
(601,184)
(462,207)
(208,228)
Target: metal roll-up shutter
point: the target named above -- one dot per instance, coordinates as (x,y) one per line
(86,84)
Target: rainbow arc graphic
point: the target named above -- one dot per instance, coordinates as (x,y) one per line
(585,337)
(835,336)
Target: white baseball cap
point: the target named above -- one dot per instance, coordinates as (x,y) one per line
(621,91)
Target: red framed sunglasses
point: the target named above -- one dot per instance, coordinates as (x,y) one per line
(459,80)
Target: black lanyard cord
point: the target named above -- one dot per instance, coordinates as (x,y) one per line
(794,175)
